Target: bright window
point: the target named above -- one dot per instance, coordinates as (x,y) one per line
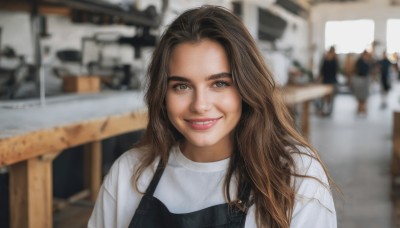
(393,35)
(349,36)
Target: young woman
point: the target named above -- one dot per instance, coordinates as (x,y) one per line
(219,149)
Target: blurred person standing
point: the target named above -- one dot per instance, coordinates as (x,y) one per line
(397,64)
(328,75)
(385,67)
(360,82)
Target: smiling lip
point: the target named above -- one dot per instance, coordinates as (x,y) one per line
(202,124)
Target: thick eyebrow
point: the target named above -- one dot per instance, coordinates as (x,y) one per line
(209,78)
(219,75)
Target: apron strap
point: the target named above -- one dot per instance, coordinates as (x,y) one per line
(156,178)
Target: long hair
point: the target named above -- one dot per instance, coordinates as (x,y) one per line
(264,137)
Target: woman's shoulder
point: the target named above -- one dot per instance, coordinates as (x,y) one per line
(129,159)
(311,181)
(307,163)
(124,166)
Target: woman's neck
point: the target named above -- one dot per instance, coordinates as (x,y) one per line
(206,154)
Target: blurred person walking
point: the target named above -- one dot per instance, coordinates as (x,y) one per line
(385,67)
(360,82)
(328,75)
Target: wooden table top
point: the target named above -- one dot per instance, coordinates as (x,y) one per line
(298,94)
(28,129)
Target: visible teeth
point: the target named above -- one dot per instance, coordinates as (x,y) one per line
(204,123)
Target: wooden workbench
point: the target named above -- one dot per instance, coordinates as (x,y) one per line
(31,136)
(303,95)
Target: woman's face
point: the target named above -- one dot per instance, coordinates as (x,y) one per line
(202,101)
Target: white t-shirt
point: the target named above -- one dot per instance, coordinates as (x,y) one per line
(188,186)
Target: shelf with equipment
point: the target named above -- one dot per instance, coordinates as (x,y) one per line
(92,11)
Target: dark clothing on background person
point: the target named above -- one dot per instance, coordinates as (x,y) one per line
(328,73)
(329,70)
(360,82)
(362,68)
(384,66)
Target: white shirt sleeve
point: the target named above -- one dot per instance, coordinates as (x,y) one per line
(314,206)
(117,199)
(104,212)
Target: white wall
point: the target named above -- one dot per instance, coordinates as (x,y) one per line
(377,10)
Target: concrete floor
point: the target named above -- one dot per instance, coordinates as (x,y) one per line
(357,152)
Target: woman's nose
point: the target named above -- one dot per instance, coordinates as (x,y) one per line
(201,101)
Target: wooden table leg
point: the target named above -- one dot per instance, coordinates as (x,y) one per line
(305,122)
(93,170)
(31,194)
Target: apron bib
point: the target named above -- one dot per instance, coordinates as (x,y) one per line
(152,213)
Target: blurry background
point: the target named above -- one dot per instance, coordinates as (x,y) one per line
(48,46)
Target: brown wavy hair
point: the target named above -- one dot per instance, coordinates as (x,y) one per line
(264,137)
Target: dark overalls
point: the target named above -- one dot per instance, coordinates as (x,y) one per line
(152,213)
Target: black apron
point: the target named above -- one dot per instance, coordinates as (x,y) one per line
(152,213)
